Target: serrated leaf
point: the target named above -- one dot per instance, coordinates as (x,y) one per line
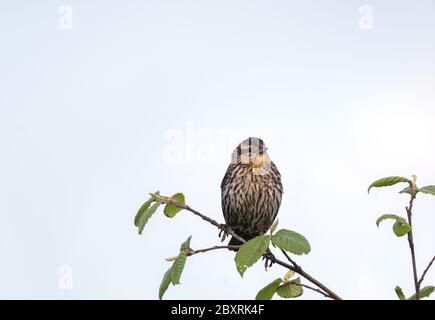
(173,274)
(386,182)
(291,241)
(165,283)
(290,289)
(178,266)
(401,228)
(399,293)
(268,291)
(424,293)
(170,209)
(428,190)
(147,215)
(250,252)
(142,211)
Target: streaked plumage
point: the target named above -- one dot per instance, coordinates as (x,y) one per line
(251,190)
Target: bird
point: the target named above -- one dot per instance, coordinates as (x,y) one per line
(251,191)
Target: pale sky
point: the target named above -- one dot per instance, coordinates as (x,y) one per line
(103,102)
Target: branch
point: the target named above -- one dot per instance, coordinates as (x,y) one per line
(291,260)
(411,240)
(425,271)
(294,267)
(203,217)
(193,252)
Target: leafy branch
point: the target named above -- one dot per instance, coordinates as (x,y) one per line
(287,241)
(403,226)
(247,254)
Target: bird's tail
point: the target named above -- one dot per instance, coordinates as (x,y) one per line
(234,242)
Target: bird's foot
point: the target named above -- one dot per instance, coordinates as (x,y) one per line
(223,233)
(269,259)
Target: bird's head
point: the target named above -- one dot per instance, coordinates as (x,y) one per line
(253,152)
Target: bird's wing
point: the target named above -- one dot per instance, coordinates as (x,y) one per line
(227,176)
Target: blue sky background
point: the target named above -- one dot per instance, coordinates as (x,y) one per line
(154,95)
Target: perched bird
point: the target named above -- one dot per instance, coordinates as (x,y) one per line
(251,190)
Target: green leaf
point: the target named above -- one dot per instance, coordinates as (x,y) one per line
(173,274)
(178,266)
(250,252)
(291,241)
(389,216)
(268,291)
(147,215)
(428,190)
(400,227)
(142,210)
(388,181)
(165,283)
(399,293)
(170,209)
(424,293)
(290,289)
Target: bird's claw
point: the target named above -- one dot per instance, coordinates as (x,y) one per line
(269,260)
(223,233)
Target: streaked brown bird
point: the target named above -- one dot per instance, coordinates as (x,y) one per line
(251,190)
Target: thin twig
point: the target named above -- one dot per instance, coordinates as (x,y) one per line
(193,252)
(228,230)
(203,217)
(314,289)
(425,271)
(291,260)
(411,242)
